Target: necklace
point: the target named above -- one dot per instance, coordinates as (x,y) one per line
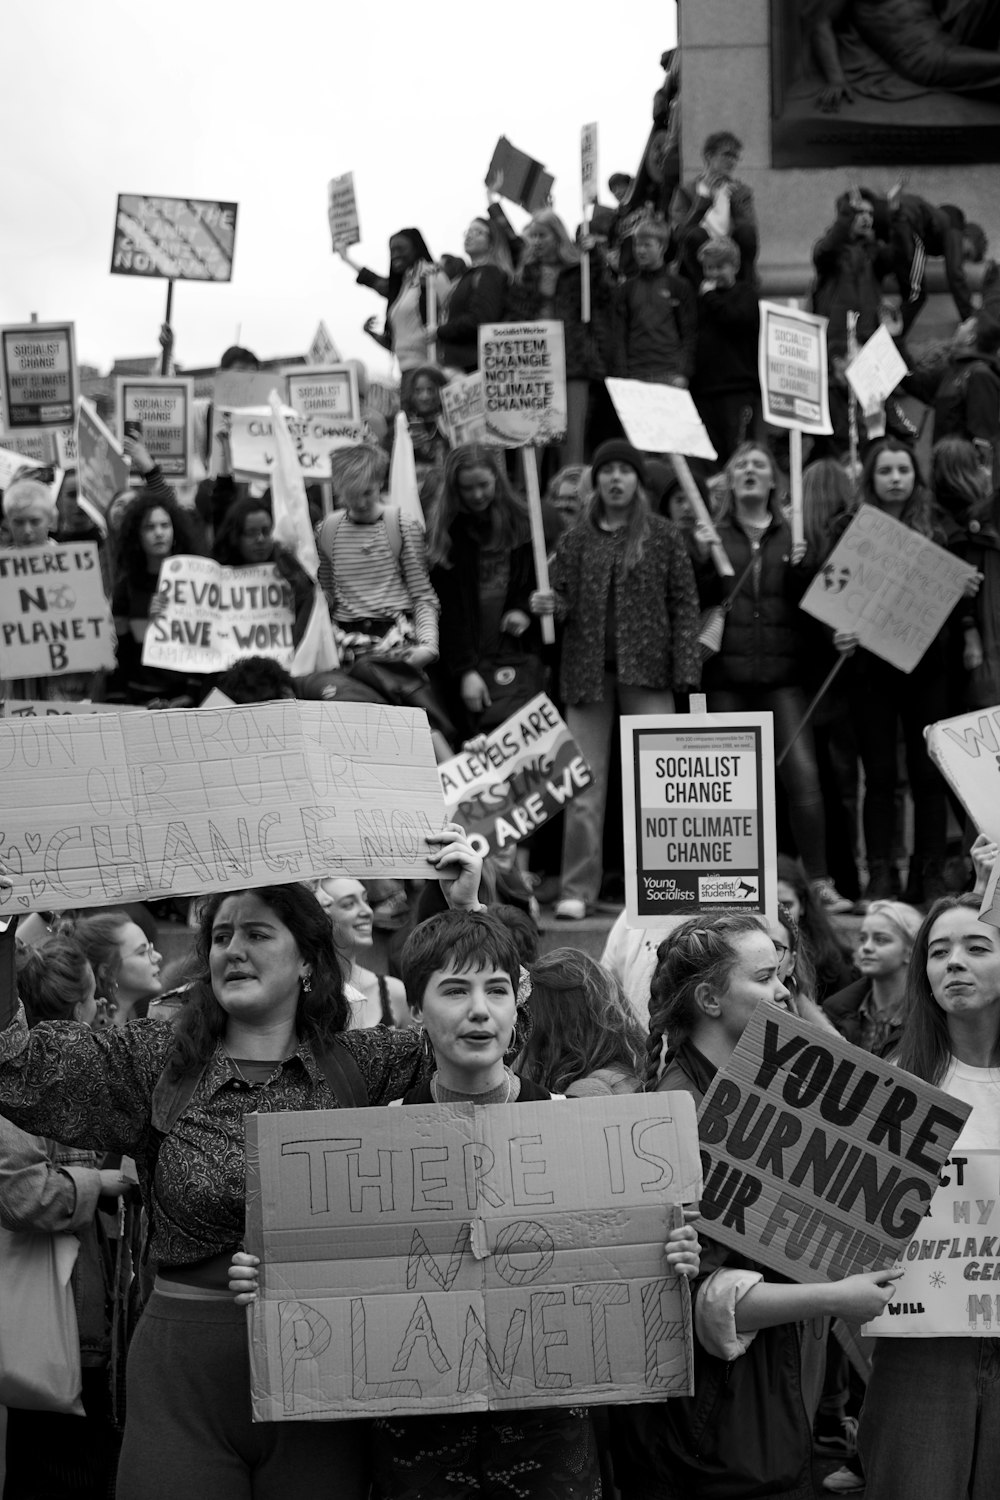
(272,1064)
(442,1094)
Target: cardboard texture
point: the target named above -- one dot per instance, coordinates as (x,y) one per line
(54,613)
(102,809)
(47,708)
(528,770)
(819,1159)
(182,239)
(660,418)
(253,450)
(463,403)
(950,1286)
(163,407)
(699,817)
(342,211)
(102,468)
(792,367)
(460,1258)
(888,584)
(966,750)
(523,366)
(329,390)
(216,615)
(38,377)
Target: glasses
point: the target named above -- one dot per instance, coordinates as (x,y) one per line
(781,949)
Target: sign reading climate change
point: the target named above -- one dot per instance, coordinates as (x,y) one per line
(524,383)
(793,369)
(699,815)
(183,239)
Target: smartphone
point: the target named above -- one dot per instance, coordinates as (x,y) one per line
(133,430)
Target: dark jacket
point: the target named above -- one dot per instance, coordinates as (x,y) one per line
(687,212)
(457,588)
(656,310)
(848,278)
(844,1010)
(762,642)
(592,349)
(967,402)
(728,325)
(745,1432)
(941,231)
(479,296)
(656,610)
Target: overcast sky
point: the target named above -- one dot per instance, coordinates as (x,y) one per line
(262,104)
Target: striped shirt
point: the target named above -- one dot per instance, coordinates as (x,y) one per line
(361,576)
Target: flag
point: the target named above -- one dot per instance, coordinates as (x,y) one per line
(317,650)
(403,491)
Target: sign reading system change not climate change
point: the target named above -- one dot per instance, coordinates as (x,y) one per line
(699,815)
(524,382)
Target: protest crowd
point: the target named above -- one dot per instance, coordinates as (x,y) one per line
(412,578)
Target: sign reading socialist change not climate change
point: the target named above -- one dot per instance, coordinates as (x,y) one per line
(699,815)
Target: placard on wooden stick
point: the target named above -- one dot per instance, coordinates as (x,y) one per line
(447,1258)
(820,1159)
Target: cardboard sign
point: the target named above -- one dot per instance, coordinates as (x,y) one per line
(888,584)
(35,448)
(588,164)
(529,768)
(819,1159)
(876,370)
(951,1267)
(322,350)
(163,408)
(698,815)
(217,615)
(188,801)
(324,391)
(519,178)
(524,380)
(660,418)
(253,450)
(183,239)
(243,388)
(54,614)
(793,368)
(459,1258)
(38,379)
(463,405)
(342,211)
(966,750)
(46,708)
(102,468)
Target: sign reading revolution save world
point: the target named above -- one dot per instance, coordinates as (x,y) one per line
(182,239)
(699,815)
(216,615)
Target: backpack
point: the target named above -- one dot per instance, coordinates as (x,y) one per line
(327,533)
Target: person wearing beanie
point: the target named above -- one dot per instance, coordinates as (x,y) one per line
(656,312)
(623,587)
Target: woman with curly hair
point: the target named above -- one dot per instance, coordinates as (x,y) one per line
(152,528)
(585,1037)
(885,700)
(246,539)
(264,1028)
(747,1430)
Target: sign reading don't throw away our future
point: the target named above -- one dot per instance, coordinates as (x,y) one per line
(819,1159)
(188,801)
(456,1257)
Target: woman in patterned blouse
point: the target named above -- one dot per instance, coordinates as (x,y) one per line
(262,1031)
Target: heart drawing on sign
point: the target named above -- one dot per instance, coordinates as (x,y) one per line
(37,888)
(33,841)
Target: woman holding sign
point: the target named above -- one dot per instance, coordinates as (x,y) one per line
(930,1425)
(264,1028)
(245,539)
(153,528)
(747,1430)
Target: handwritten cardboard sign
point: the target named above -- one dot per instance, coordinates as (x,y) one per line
(456,1257)
(45,708)
(888,584)
(699,815)
(966,750)
(162,407)
(194,800)
(184,239)
(102,468)
(524,382)
(793,368)
(527,771)
(951,1267)
(324,391)
(819,1159)
(660,418)
(342,210)
(254,452)
(876,370)
(463,403)
(54,614)
(38,379)
(216,615)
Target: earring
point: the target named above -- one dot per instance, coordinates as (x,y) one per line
(307,983)
(425,1043)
